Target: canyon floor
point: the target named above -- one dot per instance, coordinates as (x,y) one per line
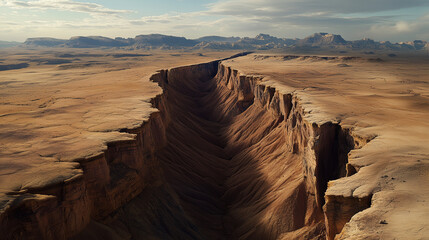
(99,145)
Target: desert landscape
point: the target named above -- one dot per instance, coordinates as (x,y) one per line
(164,144)
(214,119)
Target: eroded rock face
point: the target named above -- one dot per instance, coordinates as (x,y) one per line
(226,157)
(339,210)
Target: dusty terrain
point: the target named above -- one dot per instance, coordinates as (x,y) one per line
(238,149)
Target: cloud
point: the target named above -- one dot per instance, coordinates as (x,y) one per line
(164,19)
(285,7)
(417,28)
(283,18)
(64,5)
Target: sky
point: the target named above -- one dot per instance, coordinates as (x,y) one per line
(393,20)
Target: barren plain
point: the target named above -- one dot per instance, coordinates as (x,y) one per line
(96,144)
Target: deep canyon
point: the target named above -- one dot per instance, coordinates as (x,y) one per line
(223,153)
(226,157)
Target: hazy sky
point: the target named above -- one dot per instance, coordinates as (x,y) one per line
(394,20)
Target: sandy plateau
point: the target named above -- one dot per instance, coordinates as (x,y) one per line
(99,145)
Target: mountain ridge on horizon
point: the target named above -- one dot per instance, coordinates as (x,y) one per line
(260,42)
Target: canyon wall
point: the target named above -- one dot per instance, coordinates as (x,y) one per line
(225,157)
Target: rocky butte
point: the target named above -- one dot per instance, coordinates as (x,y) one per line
(101,144)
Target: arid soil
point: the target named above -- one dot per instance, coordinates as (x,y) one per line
(95,145)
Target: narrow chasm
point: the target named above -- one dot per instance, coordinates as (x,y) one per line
(238,161)
(236,154)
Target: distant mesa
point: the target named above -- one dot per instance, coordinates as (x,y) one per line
(6,44)
(418,44)
(162,41)
(210,39)
(259,42)
(93,42)
(321,39)
(45,42)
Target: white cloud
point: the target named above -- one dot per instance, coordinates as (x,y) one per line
(284,7)
(63,5)
(414,29)
(164,18)
(402,26)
